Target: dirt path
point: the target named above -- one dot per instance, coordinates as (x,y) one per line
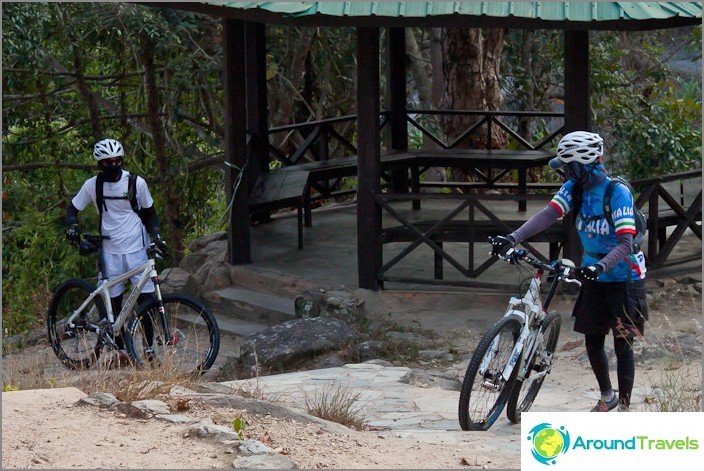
(44,428)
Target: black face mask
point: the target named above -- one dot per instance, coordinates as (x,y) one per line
(112,173)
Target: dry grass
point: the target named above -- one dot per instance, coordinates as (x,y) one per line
(676,390)
(42,371)
(336,403)
(677,387)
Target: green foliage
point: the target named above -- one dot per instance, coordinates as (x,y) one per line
(651,117)
(74,73)
(238,425)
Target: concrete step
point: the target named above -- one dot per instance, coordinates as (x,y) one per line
(256,308)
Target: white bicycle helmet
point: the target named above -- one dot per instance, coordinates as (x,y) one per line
(107,149)
(579,146)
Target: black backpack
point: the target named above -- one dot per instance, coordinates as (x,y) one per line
(641,221)
(131,196)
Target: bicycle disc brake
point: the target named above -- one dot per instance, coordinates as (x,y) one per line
(176,337)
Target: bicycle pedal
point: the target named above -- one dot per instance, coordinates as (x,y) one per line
(68,334)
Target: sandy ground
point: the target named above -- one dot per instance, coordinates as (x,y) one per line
(45,428)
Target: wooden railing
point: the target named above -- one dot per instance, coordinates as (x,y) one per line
(487,119)
(681,194)
(456,220)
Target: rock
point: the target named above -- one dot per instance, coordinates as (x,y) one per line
(177,280)
(264,462)
(369,350)
(213,276)
(253,447)
(176,418)
(207,430)
(191,263)
(145,409)
(332,360)
(24,340)
(206,240)
(407,337)
(339,304)
(100,399)
(422,379)
(379,362)
(436,355)
(293,341)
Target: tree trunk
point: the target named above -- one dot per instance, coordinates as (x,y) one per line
(436,63)
(285,91)
(471,65)
(427,92)
(87,94)
(165,175)
(419,69)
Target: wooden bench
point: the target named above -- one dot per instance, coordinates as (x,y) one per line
(281,189)
(291,186)
(324,170)
(464,231)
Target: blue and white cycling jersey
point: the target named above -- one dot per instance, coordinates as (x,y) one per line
(597,233)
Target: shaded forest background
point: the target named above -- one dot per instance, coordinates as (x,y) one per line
(74,73)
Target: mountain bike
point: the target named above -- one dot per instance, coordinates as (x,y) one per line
(516,353)
(169,331)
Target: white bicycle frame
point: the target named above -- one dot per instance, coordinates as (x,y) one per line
(147,270)
(530,311)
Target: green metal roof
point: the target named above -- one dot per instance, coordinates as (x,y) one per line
(546,11)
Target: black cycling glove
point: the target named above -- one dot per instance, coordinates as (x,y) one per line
(500,245)
(590,272)
(160,244)
(73,234)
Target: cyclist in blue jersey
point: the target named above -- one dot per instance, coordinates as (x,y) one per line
(612,297)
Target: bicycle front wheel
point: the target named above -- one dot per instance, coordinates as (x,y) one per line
(526,389)
(484,391)
(76,344)
(185,339)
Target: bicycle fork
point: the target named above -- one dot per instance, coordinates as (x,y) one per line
(171,337)
(492,380)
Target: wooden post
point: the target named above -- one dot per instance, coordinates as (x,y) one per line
(396,92)
(576,114)
(257,109)
(235,141)
(577,81)
(369,258)
(396,88)
(257,104)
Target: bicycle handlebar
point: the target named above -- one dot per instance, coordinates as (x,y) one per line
(564,269)
(90,243)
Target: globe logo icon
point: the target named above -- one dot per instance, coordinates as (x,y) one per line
(548,442)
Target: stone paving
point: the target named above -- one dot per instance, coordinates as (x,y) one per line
(385,399)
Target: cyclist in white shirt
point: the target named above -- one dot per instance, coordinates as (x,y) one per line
(125,218)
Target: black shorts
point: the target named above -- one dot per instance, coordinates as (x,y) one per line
(619,307)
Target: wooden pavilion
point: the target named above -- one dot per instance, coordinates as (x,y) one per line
(246,112)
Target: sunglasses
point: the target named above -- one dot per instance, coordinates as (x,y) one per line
(113,161)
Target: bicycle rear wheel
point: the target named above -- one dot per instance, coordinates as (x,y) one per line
(526,390)
(191,343)
(77,346)
(484,392)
